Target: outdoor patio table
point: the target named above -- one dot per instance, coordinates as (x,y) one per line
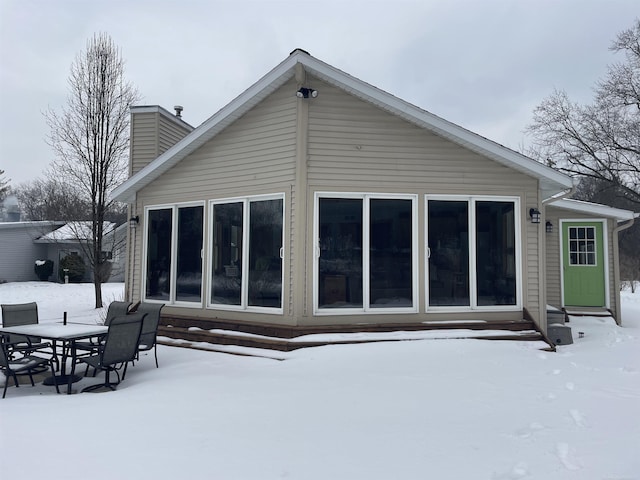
(67,334)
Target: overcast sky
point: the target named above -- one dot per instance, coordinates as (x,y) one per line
(483,64)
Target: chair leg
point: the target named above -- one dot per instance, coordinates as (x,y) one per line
(6,384)
(55,380)
(155,352)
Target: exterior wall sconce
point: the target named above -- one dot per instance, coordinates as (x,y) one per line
(306,93)
(549,227)
(534,213)
(133,221)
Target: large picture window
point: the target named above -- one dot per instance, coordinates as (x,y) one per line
(174,254)
(366,253)
(246,253)
(472,252)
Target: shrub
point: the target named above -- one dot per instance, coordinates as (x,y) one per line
(75,266)
(43,269)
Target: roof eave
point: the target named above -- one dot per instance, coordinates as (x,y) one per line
(595,209)
(551,181)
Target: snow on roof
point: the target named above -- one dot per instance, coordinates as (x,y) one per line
(596,209)
(551,181)
(74,232)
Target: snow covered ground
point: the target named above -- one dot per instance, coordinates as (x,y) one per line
(425,409)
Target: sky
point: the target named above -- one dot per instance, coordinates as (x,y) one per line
(484,65)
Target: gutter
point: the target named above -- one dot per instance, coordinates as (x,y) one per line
(559,196)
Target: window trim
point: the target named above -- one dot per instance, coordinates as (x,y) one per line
(473,306)
(174,207)
(244,289)
(415,275)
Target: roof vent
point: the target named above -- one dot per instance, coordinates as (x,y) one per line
(178,109)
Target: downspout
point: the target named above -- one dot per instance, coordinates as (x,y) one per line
(131,247)
(616,279)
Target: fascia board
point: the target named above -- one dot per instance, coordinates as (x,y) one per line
(595,209)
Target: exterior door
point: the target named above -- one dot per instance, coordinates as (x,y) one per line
(583,262)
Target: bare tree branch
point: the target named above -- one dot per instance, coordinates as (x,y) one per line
(601,140)
(90,136)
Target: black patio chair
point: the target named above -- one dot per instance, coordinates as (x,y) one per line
(149,328)
(116,309)
(17,314)
(26,364)
(120,347)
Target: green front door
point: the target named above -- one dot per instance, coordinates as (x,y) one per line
(583,264)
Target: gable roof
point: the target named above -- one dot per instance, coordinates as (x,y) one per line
(595,209)
(74,232)
(551,181)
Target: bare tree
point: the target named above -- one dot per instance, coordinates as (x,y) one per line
(4,186)
(601,140)
(50,199)
(600,191)
(90,136)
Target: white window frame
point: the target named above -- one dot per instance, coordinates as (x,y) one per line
(366,308)
(174,207)
(244,289)
(471,201)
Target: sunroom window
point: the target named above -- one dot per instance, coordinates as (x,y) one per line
(366,253)
(174,237)
(472,252)
(246,253)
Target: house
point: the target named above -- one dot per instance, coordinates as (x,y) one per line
(24,243)
(316,199)
(19,252)
(74,238)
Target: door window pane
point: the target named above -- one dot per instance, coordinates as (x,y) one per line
(158,281)
(265,243)
(390,253)
(449,253)
(582,245)
(495,253)
(340,263)
(189,254)
(226,281)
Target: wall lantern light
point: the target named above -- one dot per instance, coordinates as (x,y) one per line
(306,93)
(133,221)
(549,227)
(534,213)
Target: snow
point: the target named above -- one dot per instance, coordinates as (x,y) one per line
(421,409)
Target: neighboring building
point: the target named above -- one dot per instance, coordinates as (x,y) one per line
(22,243)
(315,198)
(74,238)
(18,250)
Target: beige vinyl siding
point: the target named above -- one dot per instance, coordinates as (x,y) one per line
(356,147)
(170,132)
(152,134)
(143,144)
(553,280)
(254,155)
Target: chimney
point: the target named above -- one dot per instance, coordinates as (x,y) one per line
(178,109)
